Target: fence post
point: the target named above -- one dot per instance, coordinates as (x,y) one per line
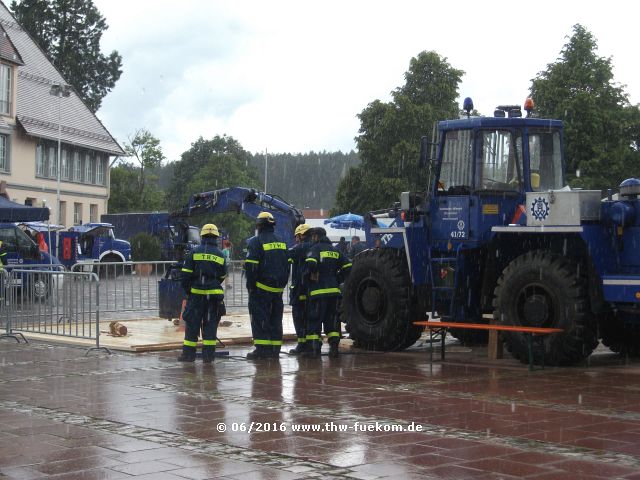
(7,301)
(95,277)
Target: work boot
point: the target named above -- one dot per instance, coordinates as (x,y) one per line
(186,358)
(333,349)
(299,349)
(257,354)
(207,357)
(314,350)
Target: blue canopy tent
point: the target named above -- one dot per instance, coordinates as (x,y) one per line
(346,221)
(14,212)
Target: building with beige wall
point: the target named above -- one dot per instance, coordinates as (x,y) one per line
(38,113)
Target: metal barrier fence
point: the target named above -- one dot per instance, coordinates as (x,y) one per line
(133,286)
(45,299)
(52,302)
(128,286)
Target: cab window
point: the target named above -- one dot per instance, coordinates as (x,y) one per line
(545,160)
(456,172)
(8,238)
(501,161)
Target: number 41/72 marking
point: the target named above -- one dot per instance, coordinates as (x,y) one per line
(457,234)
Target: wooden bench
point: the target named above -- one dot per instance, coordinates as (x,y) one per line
(529,332)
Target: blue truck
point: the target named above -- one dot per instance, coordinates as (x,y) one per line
(176,236)
(88,243)
(23,251)
(497,232)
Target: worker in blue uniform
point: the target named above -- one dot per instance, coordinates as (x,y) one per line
(297,289)
(267,273)
(3,255)
(204,270)
(3,262)
(326,268)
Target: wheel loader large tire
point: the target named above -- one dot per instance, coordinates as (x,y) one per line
(376,304)
(540,289)
(620,336)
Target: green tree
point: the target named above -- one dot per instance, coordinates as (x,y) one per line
(145,149)
(223,154)
(389,137)
(69,32)
(211,165)
(601,127)
(122,188)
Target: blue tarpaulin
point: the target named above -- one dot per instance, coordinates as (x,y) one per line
(15,212)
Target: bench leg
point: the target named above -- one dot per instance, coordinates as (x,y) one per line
(431,345)
(443,336)
(530,349)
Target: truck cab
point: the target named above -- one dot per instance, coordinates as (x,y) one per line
(23,252)
(94,242)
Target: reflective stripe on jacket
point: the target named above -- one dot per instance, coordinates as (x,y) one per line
(267,262)
(324,265)
(204,269)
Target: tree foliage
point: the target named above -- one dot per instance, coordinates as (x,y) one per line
(122,189)
(134,186)
(145,150)
(305,180)
(211,165)
(601,127)
(389,136)
(69,32)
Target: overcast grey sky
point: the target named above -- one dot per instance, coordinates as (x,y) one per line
(291,76)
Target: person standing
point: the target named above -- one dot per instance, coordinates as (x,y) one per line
(326,266)
(356,247)
(343,246)
(297,291)
(267,273)
(204,270)
(3,262)
(226,251)
(3,255)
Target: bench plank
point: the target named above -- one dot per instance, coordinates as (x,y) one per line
(486,326)
(493,328)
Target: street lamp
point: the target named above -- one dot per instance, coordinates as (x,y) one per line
(59,91)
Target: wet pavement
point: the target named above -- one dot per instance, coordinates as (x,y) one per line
(65,415)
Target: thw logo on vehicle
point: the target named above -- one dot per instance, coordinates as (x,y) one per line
(540,209)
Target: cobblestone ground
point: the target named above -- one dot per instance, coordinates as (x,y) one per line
(67,415)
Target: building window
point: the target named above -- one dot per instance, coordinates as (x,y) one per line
(40,164)
(30,202)
(100,170)
(5,89)
(63,213)
(4,154)
(88,169)
(93,212)
(66,167)
(77,167)
(77,214)
(53,164)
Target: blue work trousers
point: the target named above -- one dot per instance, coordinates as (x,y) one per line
(322,315)
(201,314)
(299,314)
(265,309)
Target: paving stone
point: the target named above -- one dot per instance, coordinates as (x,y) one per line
(64,415)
